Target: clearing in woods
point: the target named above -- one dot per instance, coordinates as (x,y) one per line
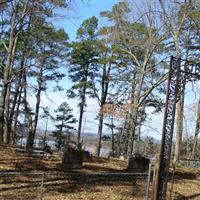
(85,186)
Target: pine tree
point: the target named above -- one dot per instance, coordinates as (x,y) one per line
(63,121)
(18,17)
(83,65)
(48,55)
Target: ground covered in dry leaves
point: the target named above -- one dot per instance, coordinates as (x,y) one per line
(87,183)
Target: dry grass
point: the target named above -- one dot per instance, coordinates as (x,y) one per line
(87,186)
(186,184)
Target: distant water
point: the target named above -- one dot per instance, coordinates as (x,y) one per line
(105,151)
(37,142)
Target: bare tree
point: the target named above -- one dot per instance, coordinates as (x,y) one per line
(178,27)
(139,39)
(196,134)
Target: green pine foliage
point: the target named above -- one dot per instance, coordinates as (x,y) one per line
(64,121)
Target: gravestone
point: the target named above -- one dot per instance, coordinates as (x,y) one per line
(72,159)
(138,164)
(87,157)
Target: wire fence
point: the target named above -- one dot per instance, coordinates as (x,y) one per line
(21,185)
(183,186)
(79,185)
(190,163)
(183,183)
(184,180)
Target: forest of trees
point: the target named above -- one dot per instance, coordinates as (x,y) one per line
(122,65)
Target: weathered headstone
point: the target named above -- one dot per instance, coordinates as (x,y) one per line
(72,159)
(138,164)
(87,157)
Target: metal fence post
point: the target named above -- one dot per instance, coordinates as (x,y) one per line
(148,182)
(161,179)
(42,186)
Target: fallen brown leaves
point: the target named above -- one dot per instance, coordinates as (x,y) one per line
(58,186)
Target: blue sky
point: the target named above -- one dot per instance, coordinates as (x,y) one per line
(73,18)
(82,10)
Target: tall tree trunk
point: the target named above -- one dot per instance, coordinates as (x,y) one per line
(113,138)
(1,119)
(37,108)
(16,94)
(27,115)
(180,113)
(18,90)
(179,127)
(6,81)
(17,114)
(60,136)
(119,143)
(19,101)
(45,132)
(1,97)
(32,133)
(136,145)
(6,116)
(134,111)
(82,105)
(196,134)
(132,131)
(7,133)
(124,132)
(100,130)
(104,93)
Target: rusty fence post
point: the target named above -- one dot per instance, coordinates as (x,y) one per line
(148,182)
(160,186)
(42,186)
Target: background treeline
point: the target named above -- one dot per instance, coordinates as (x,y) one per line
(123,65)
